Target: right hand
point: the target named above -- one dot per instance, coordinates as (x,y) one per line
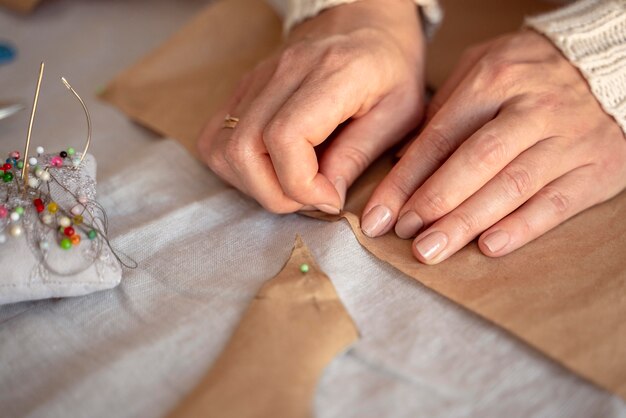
(361,64)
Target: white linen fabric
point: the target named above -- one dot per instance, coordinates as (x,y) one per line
(204,250)
(87,268)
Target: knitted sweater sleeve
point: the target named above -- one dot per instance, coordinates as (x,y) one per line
(592,35)
(295,11)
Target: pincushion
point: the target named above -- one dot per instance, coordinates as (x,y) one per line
(53,233)
(53,236)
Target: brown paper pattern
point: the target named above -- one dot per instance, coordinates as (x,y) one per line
(292,329)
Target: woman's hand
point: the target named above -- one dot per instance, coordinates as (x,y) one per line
(360,63)
(516,144)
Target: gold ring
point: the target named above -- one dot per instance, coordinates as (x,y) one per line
(230,122)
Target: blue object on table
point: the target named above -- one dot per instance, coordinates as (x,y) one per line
(7,53)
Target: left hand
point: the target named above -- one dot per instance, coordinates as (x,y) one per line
(516,143)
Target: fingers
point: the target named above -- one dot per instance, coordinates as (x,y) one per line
(213,137)
(466,63)
(460,117)
(363,140)
(513,186)
(552,205)
(305,120)
(261,183)
(473,164)
(208,140)
(244,150)
(242,160)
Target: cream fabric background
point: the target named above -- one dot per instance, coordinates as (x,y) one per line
(204,250)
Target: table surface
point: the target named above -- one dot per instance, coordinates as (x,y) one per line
(204,250)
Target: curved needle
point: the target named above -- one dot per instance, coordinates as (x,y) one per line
(70,88)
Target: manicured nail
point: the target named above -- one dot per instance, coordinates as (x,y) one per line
(496,241)
(431,245)
(375,221)
(328,209)
(408,225)
(342,188)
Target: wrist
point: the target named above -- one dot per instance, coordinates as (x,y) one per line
(394,16)
(400,19)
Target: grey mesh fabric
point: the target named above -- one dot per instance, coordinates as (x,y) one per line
(204,250)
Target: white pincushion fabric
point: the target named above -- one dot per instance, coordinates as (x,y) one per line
(34,265)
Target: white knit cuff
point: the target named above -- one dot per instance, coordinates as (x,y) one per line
(295,11)
(592,35)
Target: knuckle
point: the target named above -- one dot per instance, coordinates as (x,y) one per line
(502,70)
(435,203)
(289,58)
(295,188)
(498,71)
(277,132)
(335,57)
(215,161)
(438,145)
(526,228)
(401,182)
(488,151)
(549,101)
(517,182)
(354,158)
(235,152)
(464,222)
(557,200)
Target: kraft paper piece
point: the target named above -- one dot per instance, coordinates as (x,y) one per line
(293,328)
(174,89)
(21,6)
(564,294)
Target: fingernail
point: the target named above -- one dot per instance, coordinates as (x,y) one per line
(342,189)
(496,241)
(375,221)
(431,245)
(328,209)
(307,208)
(408,225)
